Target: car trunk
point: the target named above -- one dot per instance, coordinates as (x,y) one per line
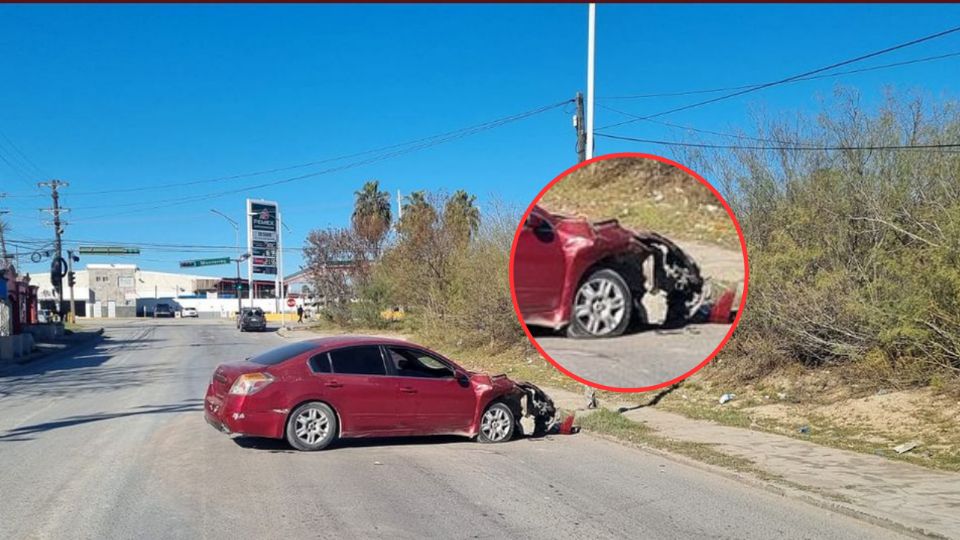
(226,374)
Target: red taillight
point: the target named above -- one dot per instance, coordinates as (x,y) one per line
(250,383)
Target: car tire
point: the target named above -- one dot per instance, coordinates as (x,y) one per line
(615,292)
(497,424)
(311,427)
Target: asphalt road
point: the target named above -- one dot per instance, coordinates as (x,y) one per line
(650,357)
(638,359)
(110,443)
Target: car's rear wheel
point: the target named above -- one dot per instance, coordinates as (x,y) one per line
(312,426)
(601,307)
(497,424)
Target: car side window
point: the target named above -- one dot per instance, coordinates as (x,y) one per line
(363,360)
(320,363)
(414,363)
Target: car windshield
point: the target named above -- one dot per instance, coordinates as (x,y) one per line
(281,354)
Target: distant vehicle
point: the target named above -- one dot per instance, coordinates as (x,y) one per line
(163,310)
(189,312)
(44,316)
(253,319)
(315,391)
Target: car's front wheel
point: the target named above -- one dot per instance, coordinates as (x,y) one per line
(601,307)
(312,426)
(497,424)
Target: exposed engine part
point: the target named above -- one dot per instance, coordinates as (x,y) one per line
(675,273)
(536,404)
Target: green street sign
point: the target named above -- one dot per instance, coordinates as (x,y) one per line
(205,262)
(108,250)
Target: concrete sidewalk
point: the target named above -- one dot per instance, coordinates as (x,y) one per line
(904,496)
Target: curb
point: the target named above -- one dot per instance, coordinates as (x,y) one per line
(770,486)
(778,489)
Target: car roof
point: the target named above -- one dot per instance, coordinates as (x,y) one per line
(347,340)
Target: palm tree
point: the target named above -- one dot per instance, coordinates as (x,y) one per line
(461,215)
(371,213)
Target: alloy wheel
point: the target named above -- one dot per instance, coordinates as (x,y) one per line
(311,426)
(600,306)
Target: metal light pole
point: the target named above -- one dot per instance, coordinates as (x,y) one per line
(591,53)
(236,226)
(239,260)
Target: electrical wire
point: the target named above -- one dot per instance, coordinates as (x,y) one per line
(427,142)
(791,78)
(476,128)
(944,147)
(800,79)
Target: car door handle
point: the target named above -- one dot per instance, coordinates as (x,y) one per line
(333,384)
(408,390)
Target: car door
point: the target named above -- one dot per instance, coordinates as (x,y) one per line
(538,267)
(361,391)
(431,399)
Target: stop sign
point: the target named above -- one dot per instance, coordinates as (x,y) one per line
(291,302)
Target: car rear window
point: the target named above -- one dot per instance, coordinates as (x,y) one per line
(281,354)
(363,360)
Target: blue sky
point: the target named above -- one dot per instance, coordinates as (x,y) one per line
(119,97)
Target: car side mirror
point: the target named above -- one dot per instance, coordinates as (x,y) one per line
(463,379)
(534,222)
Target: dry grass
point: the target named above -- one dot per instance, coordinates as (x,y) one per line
(833,412)
(644,194)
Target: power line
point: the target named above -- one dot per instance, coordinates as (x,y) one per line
(792,78)
(945,147)
(476,128)
(428,143)
(699,130)
(755,85)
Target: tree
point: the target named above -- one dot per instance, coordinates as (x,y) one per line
(461,217)
(371,214)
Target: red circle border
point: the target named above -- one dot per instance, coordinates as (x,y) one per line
(743,296)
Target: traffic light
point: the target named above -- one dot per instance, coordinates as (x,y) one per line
(71,278)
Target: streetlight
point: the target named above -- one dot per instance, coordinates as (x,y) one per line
(236,226)
(239,260)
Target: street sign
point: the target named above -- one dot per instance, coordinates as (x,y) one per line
(108,250)
(205,262)
(291,302)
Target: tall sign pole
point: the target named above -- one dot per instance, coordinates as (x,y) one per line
(263,218)
(281,294)
(591,53)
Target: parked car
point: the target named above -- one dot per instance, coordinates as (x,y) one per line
(189,312)
(253,319)
(163,310)
(315,391)
(44,316)
(589,277)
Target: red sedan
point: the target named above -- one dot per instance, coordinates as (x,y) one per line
(315,391)
(589,277)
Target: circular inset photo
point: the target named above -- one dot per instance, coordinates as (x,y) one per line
(629,272)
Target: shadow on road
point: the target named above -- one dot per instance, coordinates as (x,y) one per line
(23,433)
(281,446)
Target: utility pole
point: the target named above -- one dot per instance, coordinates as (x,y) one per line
(581,132)
(57,266)
(591,54)
(4,262)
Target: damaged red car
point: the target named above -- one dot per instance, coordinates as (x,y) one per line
(314,392)
(590,277)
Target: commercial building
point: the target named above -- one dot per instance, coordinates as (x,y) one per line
(125,290)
